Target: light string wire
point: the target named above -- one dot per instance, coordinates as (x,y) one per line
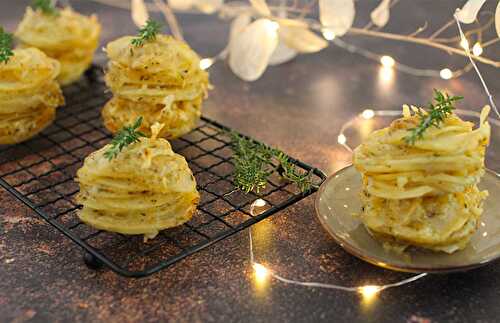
(467,50)
(367,290)
(376,57)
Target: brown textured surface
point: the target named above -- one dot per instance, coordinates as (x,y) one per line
(299,107)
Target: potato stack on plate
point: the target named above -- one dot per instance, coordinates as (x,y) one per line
(141,188)
(420,179)
(29,94)
(65,35)
(158,78)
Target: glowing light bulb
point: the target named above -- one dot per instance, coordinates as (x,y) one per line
(258,207)
(328,34)
(368,114)
(386,75)
(446,74)
(272,26)
(341,139)
(260,271)
(464,43)
(205,63)
(260,202)
(387,61)
(369,291)
(477,49)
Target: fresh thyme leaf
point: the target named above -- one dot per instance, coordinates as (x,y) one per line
(147,32)
(438,112)
(290,173)
(46,6)
(251,164)
(255,162)
(128,135)
(6,43)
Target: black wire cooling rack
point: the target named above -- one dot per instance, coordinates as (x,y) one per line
(40,173)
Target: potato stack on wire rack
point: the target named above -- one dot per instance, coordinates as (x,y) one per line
(64,34)
(136,185)
(155,77)
(29,93)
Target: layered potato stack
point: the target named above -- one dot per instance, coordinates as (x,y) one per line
(29,95)
(424,194)
(160,81)
(145,189)
(69,37)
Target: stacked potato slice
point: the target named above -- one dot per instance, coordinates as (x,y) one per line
(145,189)
(29,95)
(69,37)
(424,194)
(160,81)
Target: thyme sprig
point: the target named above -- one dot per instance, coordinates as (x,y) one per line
(289,172)
(46,6)
(254,163)
(127,136)
(6,44)
(147,33)
(436,114)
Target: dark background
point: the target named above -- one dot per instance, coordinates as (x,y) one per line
(299,107)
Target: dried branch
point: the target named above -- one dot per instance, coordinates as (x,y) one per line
(422,41)
(419,30)
(468,33)
(170,18)
(442,29)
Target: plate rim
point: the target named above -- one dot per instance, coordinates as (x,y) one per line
(374,260)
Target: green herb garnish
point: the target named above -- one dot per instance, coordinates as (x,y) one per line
(147,33)
(438,111)
(6,44)
(290,173)
(46,6)
(128,135)
(255,162)
(251,163)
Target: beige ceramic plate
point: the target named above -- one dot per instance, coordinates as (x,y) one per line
(338,199)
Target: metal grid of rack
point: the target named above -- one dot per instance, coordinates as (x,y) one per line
(40,173)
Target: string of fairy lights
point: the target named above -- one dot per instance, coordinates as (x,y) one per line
(387,62)
(262,273)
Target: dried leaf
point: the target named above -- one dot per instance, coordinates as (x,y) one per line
(238,25)
(251,50)
(380,15)
(261,7)
(337,15)
(497,19)
(209,6)
(469,11)
(139,12)
(302,39)
(282,54)
(181,5)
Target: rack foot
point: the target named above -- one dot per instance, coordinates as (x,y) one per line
(91,261)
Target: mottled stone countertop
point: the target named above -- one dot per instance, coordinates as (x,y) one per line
(299,107)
